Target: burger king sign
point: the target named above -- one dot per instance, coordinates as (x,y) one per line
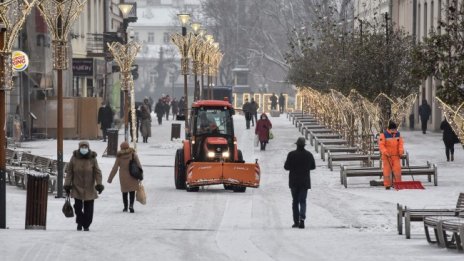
(19,60)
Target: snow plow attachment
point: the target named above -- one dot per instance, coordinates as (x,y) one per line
(214,173)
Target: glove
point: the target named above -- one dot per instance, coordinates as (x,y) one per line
(67,188)
(99,188)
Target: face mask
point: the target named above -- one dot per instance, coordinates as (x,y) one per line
(84,151)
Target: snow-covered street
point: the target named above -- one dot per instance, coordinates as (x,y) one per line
(357,223)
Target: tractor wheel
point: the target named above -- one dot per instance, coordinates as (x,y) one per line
(228,187)
(240,156)
(240,189)
(179,170)
(192,189)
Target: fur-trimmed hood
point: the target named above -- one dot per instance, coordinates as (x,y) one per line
(125,152)
(92,154)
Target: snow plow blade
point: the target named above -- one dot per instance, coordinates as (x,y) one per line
(214,173)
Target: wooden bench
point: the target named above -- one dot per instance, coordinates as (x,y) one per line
(25,162)
(302,122)
(290,115)
(311,132)
(455,225)
(414,215)
(53,174)
(369,158)
(324,136)
(345,172)
(299,117)
(307,128)
(337,149)
(325,142)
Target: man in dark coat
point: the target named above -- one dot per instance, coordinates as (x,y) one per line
(182,106)
(159,110)
(273,102)
(299,162)
(424,113)
(246,108)
(449,138)
(105,118)
(281,103)
(254,111)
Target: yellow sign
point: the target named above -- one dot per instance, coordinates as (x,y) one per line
(19,60)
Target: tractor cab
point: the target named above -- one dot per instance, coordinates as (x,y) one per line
(212,131)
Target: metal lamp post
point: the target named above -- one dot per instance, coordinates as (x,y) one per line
(125,56)
(125,10)
(60,15)
(183,41)
(12,17)
(195,54)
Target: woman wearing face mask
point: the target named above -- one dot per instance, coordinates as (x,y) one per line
(263,126)
(83,181)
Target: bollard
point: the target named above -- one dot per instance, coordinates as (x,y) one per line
(36,201)
(112,148)
(175,131)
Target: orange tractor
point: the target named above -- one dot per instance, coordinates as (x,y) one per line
(209,155)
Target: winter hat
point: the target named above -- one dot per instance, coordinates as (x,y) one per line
(392,125)
(301,141)
(84,143)
(124,145)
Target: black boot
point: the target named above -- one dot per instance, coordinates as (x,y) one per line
(79,227)
(301,225)
(124,200)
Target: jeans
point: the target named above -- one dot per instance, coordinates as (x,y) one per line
(449,148)
(299,204)
(84,212)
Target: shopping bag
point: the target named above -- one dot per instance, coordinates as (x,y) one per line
(140,195)
(256,141)
(271,136)
(68,210)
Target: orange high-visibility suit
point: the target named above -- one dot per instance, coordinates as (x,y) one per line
(391,148)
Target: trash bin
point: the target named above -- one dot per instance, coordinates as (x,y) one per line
(36,201)
(411,121)
(175,131)
(112,148)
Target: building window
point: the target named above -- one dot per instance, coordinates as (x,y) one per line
(151,37)
(425,20)
(167,38)
(418,23)
(432,9)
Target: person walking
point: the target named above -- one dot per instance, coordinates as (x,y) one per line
(449,138)
(105,118)
(299,162)
(391,148)
(246,108)
(145,126)
(273,102)
(263,127)
(424,113)
(167,106)
(83,181)
(254,111)
(129,184)
(175,108)
(281,103)
(159,111)
(182,106)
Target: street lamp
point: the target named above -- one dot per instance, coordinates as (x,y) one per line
(183,42)
(125,9)
(195,50)
(125,56)
(12,17)
(60,16)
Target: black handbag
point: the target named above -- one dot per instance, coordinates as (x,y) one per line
(134,169)
(68,210)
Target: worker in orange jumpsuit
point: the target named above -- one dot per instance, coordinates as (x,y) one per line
(391,148)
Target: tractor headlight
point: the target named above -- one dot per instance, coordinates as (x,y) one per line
(211,154)
(225,154)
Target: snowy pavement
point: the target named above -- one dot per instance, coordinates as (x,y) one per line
(357,223)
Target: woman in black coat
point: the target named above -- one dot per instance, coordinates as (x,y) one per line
(449,138)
